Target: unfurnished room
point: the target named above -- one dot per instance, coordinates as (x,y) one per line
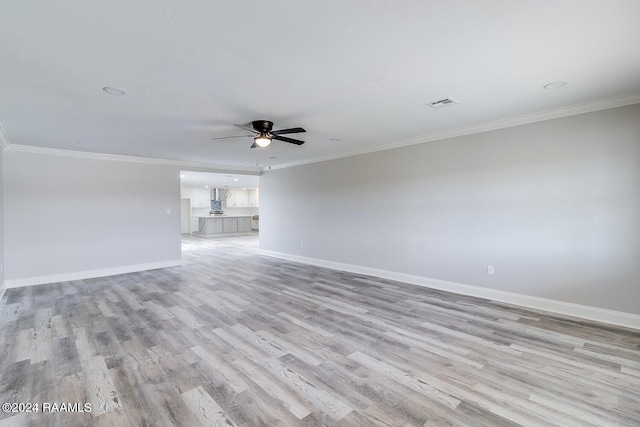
(335,213)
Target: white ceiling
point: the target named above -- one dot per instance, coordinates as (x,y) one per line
(357,71)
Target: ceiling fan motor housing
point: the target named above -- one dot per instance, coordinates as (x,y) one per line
(263,126)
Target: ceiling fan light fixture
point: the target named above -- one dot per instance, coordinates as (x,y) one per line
(262,140)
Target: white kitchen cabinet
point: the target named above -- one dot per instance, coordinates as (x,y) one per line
(200,198)
(244,224)
(230,202)
(254,198)
(239,198)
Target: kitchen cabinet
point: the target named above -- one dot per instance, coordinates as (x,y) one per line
(230,225)
(244,224)
(254,197)
(200,198)
(239,198)
(230,202)
(211,226)
(242,198)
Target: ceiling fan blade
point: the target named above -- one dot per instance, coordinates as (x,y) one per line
(285,139)
(254,145)
(227,137)
(285,131)
(247,126)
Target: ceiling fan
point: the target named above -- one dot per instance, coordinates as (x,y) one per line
(263,133)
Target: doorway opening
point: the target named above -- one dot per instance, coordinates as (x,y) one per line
(219,204)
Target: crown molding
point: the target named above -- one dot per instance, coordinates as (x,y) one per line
(572,110)
(205,167)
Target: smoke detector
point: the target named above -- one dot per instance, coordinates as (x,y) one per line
(442,103)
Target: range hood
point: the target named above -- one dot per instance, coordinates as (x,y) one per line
(219,194)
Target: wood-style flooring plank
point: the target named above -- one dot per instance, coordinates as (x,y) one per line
(205,409)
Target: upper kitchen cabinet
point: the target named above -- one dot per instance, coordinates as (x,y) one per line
(200,198)
(241,198)
(254,198)
(234,200)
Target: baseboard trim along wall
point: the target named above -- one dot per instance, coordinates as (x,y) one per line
(90,274)
(612,317)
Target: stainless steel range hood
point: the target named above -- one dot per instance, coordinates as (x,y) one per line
(219,194)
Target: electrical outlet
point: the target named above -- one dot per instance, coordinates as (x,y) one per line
(490,269)
(301,245)
(168,211)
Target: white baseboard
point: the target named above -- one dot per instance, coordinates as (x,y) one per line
(90,274)
(602,315)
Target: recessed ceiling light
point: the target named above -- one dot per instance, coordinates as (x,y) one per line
(206,186)
(114,90)
(555,85)
(181,176)
(235,179)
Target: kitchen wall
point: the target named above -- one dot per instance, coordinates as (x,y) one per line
(554,206)
(68,217)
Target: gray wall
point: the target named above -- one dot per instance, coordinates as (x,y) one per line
(65,215)
(554,206)
(1,220)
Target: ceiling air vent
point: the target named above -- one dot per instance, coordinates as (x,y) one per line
(442,103)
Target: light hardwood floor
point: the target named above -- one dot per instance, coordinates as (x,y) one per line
(236,338)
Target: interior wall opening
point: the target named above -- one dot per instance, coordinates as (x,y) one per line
(219,204)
